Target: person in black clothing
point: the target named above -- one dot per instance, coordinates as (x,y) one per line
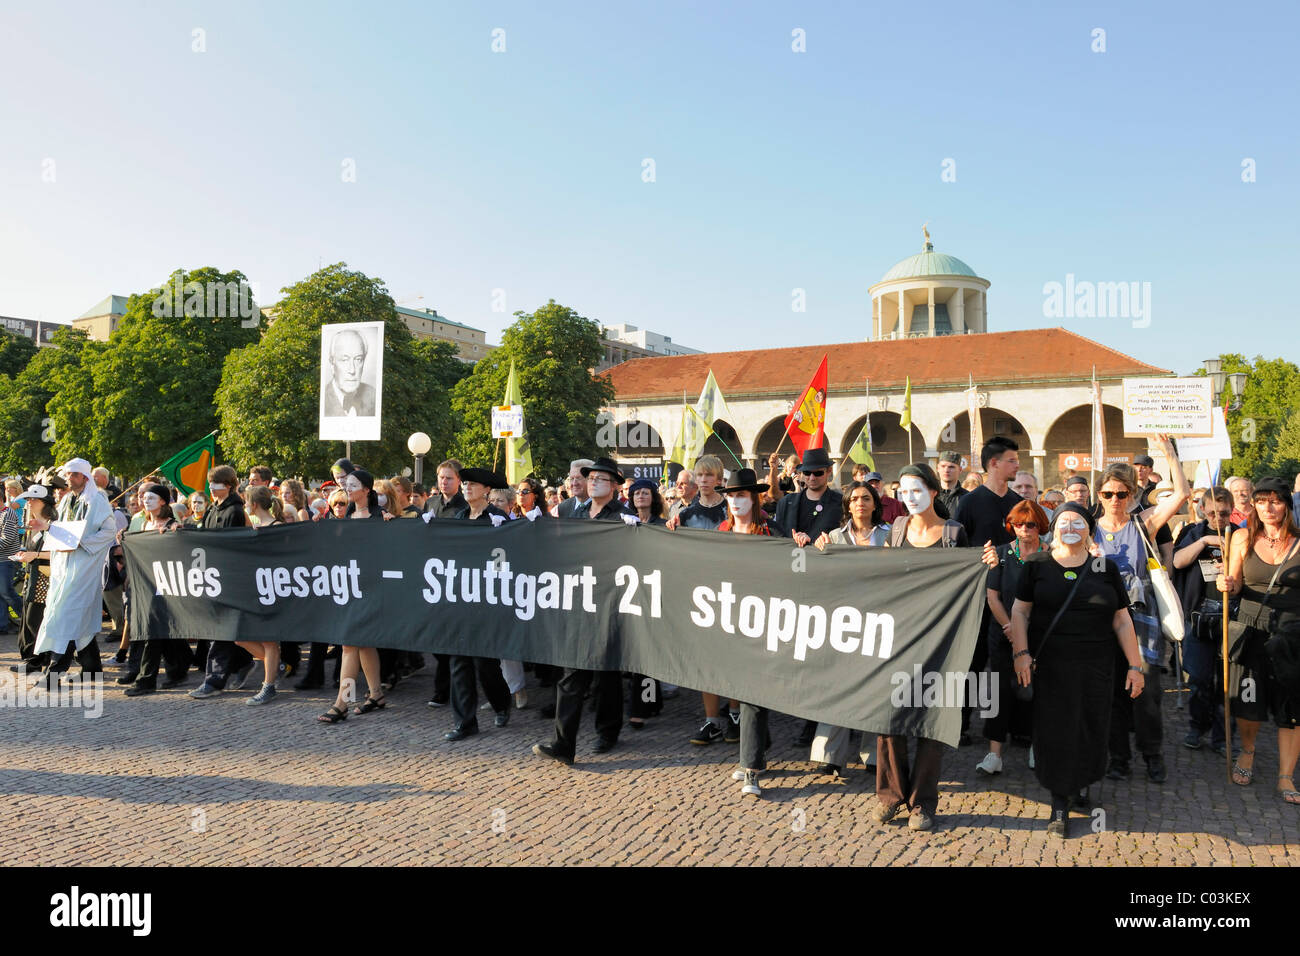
(223,658)
(1070,663)
(37,515)
(983,514)
(1144,465)
(447,502)
(949,472)
(603,476)
(1198,560)
(817,508)
(475,484)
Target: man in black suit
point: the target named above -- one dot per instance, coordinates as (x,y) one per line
(577,486)
(345,393)
(603,479)
(817,508)
(447,503)
(804,515)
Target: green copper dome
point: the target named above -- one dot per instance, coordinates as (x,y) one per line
(929,263)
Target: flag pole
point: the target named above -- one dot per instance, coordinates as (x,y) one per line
(1227,694)
(141,479)
(1092,463)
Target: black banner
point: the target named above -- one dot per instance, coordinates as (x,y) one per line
(871,638)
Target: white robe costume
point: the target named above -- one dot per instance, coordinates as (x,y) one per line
(74,605)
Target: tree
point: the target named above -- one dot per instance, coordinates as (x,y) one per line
(15,352)
(554,350)
(50,411)
(1271,394)
(268,399)
(1286,457)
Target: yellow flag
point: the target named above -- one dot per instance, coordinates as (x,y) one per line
(519,453)
(906,420)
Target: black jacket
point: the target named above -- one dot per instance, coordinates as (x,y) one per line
(449,508)
(828,519)
(613,511)
(228,513)
(485,515)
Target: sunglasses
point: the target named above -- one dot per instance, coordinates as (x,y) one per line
(527,491)
(815,474)
(1026,524)
(1121,495)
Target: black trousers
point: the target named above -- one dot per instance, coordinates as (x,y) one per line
(33,614)
(224,659)
(87,657)
(1141,716)
(639,689)
(442,677)
(177,654)
(464,688)
(569,695)
(320,653)
(753,737)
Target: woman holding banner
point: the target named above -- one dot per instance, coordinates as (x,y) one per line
(266,510)
(745,515)
(159,519)
(1069,613)
(898,785)
(862,528)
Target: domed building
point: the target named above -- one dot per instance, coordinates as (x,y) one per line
(927,295)
(929,315)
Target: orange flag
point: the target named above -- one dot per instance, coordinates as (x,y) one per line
(806,422)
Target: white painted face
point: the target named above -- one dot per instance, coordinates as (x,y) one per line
(352,484)
(1071,529)
(740,505)
(216,486)
(913,493)
(151,501)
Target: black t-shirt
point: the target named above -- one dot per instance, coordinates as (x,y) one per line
(700,516)
(1044,583)
(1004,578)
(984,516)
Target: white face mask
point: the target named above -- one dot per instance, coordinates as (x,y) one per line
(216,486)
(352,484)
(740,505)
(913,493)
(1071,532)
(383,500)
(152,502)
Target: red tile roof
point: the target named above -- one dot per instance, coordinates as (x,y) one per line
(1036,355)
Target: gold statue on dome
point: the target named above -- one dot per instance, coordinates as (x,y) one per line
(925,231)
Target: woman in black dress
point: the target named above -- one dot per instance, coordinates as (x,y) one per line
(1070,610)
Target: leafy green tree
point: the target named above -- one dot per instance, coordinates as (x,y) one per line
(554,350)
(15,352)
(63,373)
(268,399)
(1286,457)
(1271,394)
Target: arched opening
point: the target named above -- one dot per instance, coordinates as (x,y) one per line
(955,436)
(888,445)
(725,443)
(634,440)
(1069,444)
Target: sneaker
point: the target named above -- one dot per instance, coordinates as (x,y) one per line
(990,765)
(732,734)
(707,734)
(750,786)
(1031,758)
(1059,825)
(237,679)
(263,696)
(521,699)
(136,690)
(205,690)
(1193,740)
(883,813)
(437,702)
(920,820)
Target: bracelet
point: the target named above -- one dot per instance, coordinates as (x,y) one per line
(1018,653)
(1137,667)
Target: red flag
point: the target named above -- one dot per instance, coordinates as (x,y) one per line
(806,422)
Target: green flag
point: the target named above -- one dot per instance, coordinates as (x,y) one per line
(188,468)
(861,449)
(519,453)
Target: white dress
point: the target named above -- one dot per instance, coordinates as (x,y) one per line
(73,608)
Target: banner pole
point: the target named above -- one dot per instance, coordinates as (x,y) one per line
(1227,700)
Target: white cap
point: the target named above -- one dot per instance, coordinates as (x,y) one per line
(77,466)
(36,491)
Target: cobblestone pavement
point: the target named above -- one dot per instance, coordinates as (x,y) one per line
(165,779)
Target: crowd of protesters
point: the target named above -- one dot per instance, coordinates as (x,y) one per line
(1070,633)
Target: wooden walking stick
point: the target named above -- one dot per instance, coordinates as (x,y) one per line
(1227,697)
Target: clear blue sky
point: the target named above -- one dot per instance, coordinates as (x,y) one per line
(775,170)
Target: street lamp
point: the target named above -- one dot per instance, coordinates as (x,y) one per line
(418,445)
(1237,381)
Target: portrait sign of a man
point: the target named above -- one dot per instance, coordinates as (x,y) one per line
(351,381)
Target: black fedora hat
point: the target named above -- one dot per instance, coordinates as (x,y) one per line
(744,479)
(483,476)
(606,465)
(815,459)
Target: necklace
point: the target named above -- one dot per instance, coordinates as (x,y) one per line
(1275,544)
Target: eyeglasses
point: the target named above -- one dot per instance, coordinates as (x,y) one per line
(1121,495)
(1219,514)
(1032,525)
(815,474)
(529,492)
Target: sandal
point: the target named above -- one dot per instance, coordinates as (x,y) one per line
(1244,772)
(333,716)
(370,704)
(1288,796)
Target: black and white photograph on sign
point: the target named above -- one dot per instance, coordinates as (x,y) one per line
(351,381)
